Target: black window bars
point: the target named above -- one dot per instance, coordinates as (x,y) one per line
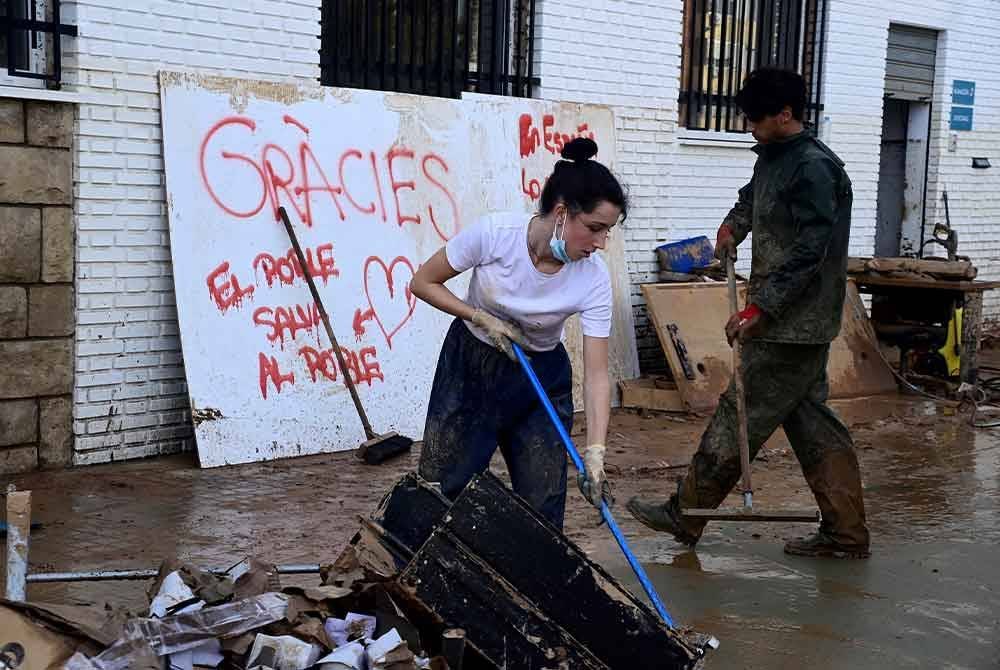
(430,47)
(724,40)
(23,34)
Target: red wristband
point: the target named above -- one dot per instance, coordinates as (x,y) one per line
(750,312)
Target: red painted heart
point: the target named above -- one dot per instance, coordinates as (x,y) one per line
(411,300)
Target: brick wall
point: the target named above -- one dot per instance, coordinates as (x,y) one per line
(130,396)
(627,54)
(857,43)
(36,285)
(624,54)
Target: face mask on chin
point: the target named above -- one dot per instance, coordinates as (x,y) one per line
(558,244)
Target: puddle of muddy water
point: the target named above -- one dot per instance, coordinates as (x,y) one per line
(773,611)
(928,598)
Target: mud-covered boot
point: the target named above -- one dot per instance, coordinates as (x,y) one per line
(666,517)
(843,533)
(821,545)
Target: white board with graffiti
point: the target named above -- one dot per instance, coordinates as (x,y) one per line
(374,183)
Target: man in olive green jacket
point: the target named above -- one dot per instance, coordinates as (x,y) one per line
(798,206)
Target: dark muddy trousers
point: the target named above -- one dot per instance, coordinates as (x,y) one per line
(786,385)
(482,400)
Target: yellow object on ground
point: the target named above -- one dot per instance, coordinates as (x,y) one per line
(953,345)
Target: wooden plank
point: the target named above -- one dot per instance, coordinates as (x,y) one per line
(942,269)
(610,621)
(18,534)
(700,312)
(741,514)
(868,279)
(856,265)
(856,367)
(644,394)
(447,580)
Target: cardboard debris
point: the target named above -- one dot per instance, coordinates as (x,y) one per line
(379,650)
(173,594)
(252,577)
(282,653)
(208,655)
(351,628)
(204,585)
(384,604)
(41,646)
(350,656)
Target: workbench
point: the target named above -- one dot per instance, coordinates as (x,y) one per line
(925,292)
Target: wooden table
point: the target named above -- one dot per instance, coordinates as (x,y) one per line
(969,293)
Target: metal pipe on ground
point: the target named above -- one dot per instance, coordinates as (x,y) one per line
(18,577)
(139,574)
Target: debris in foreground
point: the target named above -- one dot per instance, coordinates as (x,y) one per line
(425,583)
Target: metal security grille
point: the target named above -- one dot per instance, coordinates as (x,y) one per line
(724,40)
(30,39)
(429,47)
(909,63)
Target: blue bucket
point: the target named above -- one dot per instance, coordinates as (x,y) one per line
(686,255)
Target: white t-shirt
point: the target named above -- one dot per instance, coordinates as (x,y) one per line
(507,284)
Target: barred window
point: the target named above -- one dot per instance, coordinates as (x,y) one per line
(429,47)
(724,40)
(30,39)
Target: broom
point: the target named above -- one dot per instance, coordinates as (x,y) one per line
(378,447)
(747,512)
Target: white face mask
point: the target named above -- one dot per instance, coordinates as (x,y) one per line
(558,244)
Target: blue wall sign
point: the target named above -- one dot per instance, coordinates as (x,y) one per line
(961,118)
(963,92)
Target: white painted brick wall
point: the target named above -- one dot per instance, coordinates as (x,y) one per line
(625,54)
(131,399)
(130,396)
(855,70)
(589,52)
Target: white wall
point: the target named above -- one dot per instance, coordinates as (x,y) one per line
(854,76)
(130,397)
(684,183)
(627,55)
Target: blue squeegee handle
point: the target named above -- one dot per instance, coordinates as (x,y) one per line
(605,512)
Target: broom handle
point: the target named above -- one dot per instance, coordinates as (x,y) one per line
(605,512)
(741,404)
(369,433)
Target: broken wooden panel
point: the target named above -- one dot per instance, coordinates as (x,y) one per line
(411,511)
(559,579)
(856,367)
(645,393)
(508,630)
(690,323)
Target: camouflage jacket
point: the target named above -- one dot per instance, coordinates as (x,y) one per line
(798,206)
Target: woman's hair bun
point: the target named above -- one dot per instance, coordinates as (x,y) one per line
(579,149)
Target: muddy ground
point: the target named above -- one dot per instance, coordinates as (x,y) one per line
(928,598)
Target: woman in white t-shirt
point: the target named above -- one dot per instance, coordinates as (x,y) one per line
(529,274)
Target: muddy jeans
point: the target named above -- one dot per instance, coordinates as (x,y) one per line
(482,400)
(786,385)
